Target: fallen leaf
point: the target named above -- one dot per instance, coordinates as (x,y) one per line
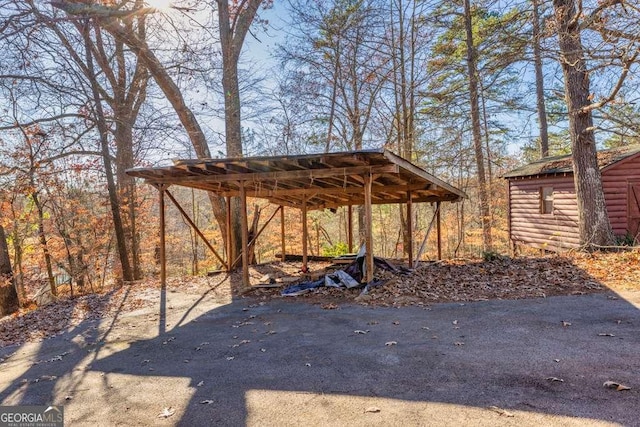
(501,411)
(372,409)
(616,386)
(167,412)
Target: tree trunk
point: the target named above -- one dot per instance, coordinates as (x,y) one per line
(43,243)
(593,221)
(537,62)
(127,187)
(8,295)
(485,209)
(174,96)
(232,36)
(127,273)
(233,134)
(127,100)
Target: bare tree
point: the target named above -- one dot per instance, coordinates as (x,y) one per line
(571,22)
(485,209)
(8,295)
(537,63)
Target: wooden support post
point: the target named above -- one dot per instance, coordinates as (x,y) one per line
(283,241)
(350,228)
(229,237)
(438,231)
(245,235)
(410,229)
(368,239)
(163,253)
(305,267)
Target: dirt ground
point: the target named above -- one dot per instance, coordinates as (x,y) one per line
(194,354)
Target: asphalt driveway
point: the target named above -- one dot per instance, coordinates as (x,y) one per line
(203,361)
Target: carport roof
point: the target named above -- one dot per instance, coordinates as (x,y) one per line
(328,180)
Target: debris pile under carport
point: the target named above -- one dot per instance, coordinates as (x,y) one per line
(349,278)
(451,280)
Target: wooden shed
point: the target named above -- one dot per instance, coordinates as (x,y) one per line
(304,182)
(543,209)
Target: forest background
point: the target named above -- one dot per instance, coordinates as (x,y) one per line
(466,89)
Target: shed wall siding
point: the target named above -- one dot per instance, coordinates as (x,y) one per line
(556,231)
(615,181)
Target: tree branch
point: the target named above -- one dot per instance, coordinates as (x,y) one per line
(617,87)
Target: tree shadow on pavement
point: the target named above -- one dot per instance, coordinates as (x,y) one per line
(272,362)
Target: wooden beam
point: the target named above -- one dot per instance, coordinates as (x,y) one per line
(350,228)
(303,212)
(283,240)
(254,238)
(438,231)
(278,175)
(410,167)
(409,229)
(245,237)
(377,188)
(368,239)
(195,227)
(426,236)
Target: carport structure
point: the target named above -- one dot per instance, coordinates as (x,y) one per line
(305,182)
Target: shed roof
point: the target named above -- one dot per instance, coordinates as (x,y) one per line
(563,164)
(325,180)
